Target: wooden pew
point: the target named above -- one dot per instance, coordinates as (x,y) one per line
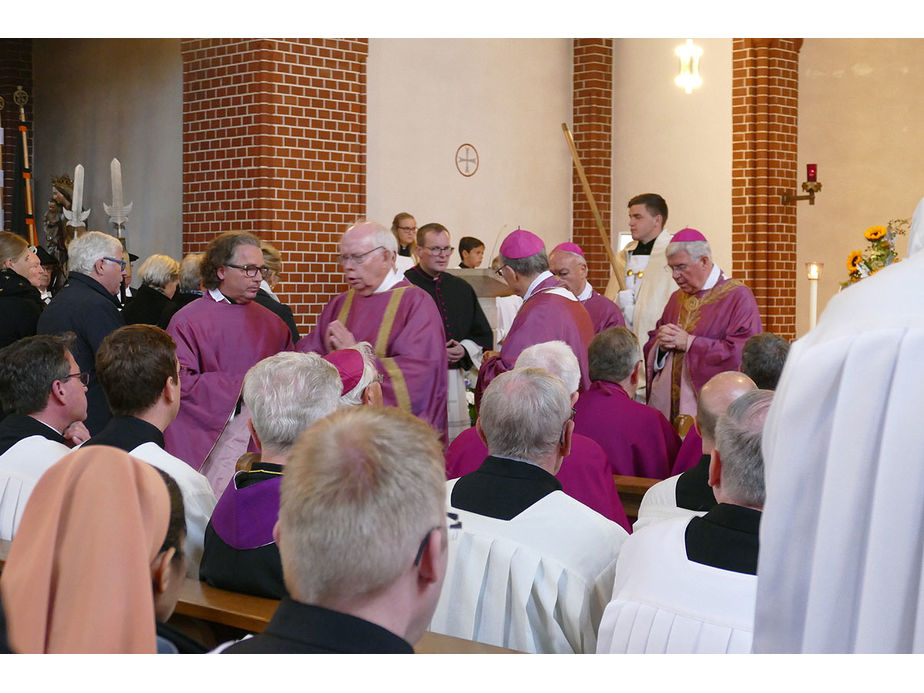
(214,615)
(631,489)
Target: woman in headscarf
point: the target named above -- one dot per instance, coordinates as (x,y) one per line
(20,300)
(97,559)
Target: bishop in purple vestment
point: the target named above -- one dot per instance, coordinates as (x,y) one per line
(637,438)
(218,338)
(702,330)
(549,312)
(398,319)
(566,261)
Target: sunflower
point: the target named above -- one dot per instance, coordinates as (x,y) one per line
(853,260)
(874,233)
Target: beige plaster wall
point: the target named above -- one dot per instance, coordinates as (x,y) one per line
(96,99)
(860,105)
(506,97)
(673,143)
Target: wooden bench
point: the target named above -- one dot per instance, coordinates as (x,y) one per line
(631,489)
(214,615)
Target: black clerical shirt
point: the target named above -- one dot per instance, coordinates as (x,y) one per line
(16,427)
(127,433)
(502,488)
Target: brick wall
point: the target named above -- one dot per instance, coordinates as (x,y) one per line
(765,91)
(15,70)
(274,142)
(592,128)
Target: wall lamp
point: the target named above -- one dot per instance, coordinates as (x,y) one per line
(811,186)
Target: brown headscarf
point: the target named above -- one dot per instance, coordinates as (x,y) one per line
(78,575)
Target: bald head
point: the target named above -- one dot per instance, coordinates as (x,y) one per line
(714,397)
(570,268)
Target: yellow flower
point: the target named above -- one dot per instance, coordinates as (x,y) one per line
(874,233)
(853,260)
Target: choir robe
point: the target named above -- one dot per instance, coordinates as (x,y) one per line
(405,329)
(464,321)
(550,313)
(637,438)
(27,448)
(603,312)
(584,474)
(720,319)
(664,602)
(216,344)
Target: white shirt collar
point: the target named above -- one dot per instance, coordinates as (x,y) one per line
(586,293)
(536,282)
(217,296)
(392,278)
(713,278)
(269,291)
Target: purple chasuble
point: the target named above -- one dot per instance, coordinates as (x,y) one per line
(690,451)
(543,317)
(721,320)
(637,438)
(405,329)
(244,518)
(584,475)
(603,312)
(216,344)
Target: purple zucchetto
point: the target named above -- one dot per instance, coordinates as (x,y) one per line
(349,363)
(688,236)
(569,248)
(521,243)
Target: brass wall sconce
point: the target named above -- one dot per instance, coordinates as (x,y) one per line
(811,186)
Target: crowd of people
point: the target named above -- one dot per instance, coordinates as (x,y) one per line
(190,431)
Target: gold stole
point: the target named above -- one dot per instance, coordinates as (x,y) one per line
(399,385)
(687,318)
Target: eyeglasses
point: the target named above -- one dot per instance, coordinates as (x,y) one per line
(83,377)
(250,271)
(445,250)
(120,263)
(359,258)
(408,228)
(500,271)
(561,438)
(455,523)
(671,269)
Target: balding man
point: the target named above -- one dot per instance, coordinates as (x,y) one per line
(218,338)
(549,312)
(688,585)
(397,318)
(702,330)
(566,261)
(532,567)
(689,493)
(87,306)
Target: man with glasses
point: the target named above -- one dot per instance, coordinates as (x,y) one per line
(362,533)
(43,393)
(468,333)
(702,330)
(549,312)
(397,318)
(219,337)
(88,307)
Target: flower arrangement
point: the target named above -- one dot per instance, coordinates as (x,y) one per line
(879,253)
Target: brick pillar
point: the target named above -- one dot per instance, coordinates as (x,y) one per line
(274,142)
(592,128)
(765,112)
(15,70)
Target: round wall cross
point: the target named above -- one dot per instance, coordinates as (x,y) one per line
(467,160)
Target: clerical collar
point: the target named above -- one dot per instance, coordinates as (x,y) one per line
(536,282)
(219,297)
(392,278)
(713,278)
(586,293)
(426,275)
(644,248)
